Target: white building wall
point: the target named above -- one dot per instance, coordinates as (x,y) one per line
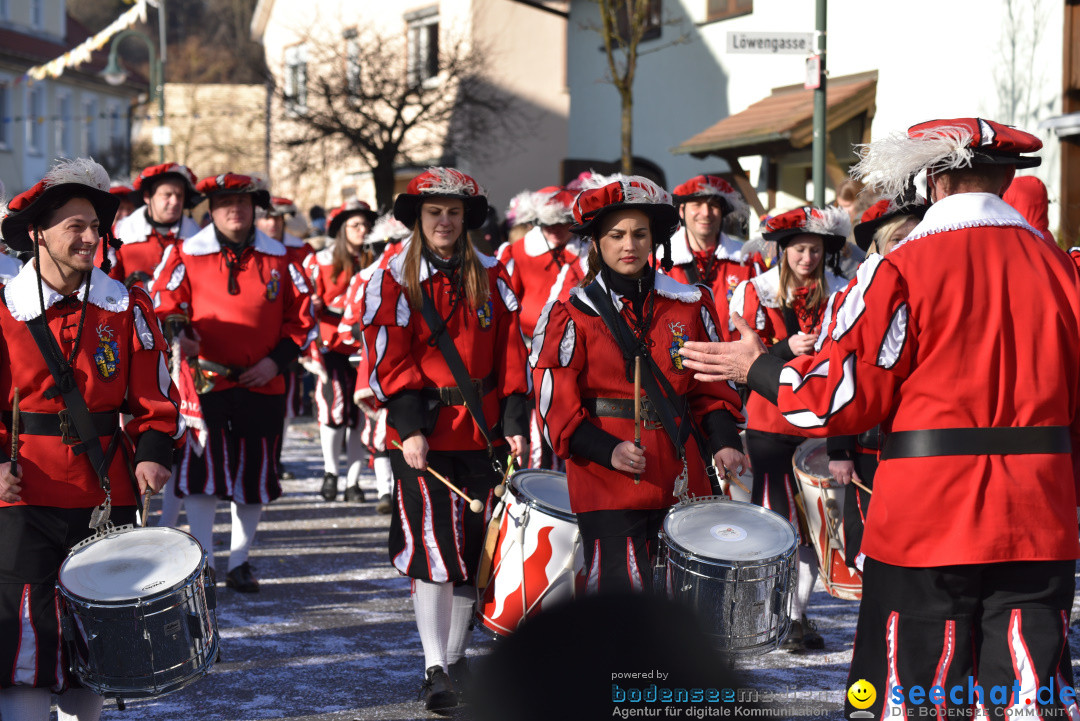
(935,60)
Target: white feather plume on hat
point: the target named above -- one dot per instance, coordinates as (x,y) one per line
(522,208)
(83,171)
(636,188)
(887,165)
(551,211)
(387,227)
(447,181)
(829,221)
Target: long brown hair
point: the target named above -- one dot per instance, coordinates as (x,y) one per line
(818,293)
(473,273)
(344,260)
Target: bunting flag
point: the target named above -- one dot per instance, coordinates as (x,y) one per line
(82,52)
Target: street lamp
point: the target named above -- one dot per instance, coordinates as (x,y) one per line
(116,75)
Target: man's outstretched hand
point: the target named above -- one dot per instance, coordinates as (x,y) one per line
(725,361)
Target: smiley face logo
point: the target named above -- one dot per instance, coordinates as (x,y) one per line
(862,694)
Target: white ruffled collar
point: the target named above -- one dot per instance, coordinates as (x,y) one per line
(397,264)
(205,242)
(135,228)
(535,244)
(21,294)
(767,286)
(968,210)
(662,284)
(727,249)
(291,241)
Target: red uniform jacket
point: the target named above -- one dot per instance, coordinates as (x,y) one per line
(271,316)
(721,269)
(297,250)
(320,270)
(574,357)
(144,245)
(401,362)
(758,301)
(540,274)
(972,322)
(119,367)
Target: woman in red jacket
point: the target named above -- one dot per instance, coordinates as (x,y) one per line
(434,538)
(331,270)
(585,385)
(786,306)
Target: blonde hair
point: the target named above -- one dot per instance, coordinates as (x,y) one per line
(882,234)
(817,294)
(473,273)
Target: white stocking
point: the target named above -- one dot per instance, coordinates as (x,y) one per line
(464,606)
(434,605)
(201,508)
(245,519)
(170,505)
(384,477)
(78,704)
(330,439)
(808,573)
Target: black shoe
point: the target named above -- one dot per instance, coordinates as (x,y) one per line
(354,494)
(436,692)
(794,640)
(812,640)
(385,504)
(329,486)
(241,579)
(461,677)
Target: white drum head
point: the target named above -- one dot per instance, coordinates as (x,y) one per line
(812,461)
(729,531)
(546,489)
(131,563)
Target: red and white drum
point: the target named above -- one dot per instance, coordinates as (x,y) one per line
(539,561)
(823,501)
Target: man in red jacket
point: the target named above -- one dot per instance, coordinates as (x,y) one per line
(109,342)
(245,312)
(962,343)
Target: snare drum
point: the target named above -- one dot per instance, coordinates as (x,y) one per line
(734,563)
(137,612)
(538,561)
(824,506)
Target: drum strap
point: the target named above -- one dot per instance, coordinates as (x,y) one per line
(465,384)
(657,387)
(77,412)
(1006,441)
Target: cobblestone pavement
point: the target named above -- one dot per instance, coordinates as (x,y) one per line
(331,634)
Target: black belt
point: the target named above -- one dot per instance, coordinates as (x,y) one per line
(622,408)
(49,424)
(977,442)
(230,372)
(870,440)
(451,395)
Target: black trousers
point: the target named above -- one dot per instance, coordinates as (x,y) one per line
(997,626)
(620,548)
(775,488)
(856,504)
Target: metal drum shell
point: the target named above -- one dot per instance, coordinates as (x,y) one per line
(146,646)
(742,604)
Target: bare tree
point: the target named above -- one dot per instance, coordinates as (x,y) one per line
(1019,75)
(624,24)
(366,97)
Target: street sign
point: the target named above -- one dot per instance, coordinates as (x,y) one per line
(770,43)
(161,135)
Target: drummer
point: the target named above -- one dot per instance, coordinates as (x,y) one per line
(585,384)
(787,305)
(109,337)
(883,226)
(434,539)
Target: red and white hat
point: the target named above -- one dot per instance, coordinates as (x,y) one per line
(832,224)
(602,195)
(881,213)
(387,228)
(281,206)
(235,184)
(939,145)
(346,210)
(711,187)
(522,208)
(150,177)
(80,177)
(442,183)
(554,205)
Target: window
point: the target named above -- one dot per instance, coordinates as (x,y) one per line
(35,120)
(423,39)
(352,62)
(5,113)
(725,9)
(62,125)
(296,79)
(653,19)
(37,14)
(90,126)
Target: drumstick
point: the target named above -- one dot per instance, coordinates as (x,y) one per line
(501,488)
(15,434)
(732,478)
(637,409)
(146,505)
(474,503)
(860,485)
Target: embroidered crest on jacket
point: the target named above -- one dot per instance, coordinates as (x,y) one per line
(273,286)
(107,355)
